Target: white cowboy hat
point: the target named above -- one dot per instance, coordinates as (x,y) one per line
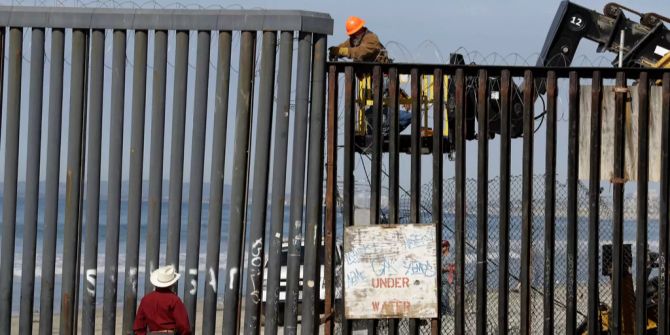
(164,276)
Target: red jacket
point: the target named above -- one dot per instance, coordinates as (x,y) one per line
(161,310)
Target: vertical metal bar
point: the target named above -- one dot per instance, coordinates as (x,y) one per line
(550,204)
(460,202)
(482,199)
(2,67)
(216,188)
(135,179)
(197,168)
(642,202)
(376,161)
(239,194)
(156,157)
(177,147)
(348,183)
(573,167)
(11,174)
(331,202)
(297,183)
(664,214)
(72,201)
(617,195)
(394,156)
(279,180)
(52,181)
(394,161)
(32,180)
(594,204)
(505,166)
(259,194)
(438,127)
(527,196)
(313,214)
(375,187)
(114,181)
(93,180)
(415,178)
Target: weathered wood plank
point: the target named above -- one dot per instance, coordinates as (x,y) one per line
(390,271)
(607,152)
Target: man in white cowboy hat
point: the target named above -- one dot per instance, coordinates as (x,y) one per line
(161,311)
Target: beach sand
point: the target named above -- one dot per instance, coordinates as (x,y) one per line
(119,322)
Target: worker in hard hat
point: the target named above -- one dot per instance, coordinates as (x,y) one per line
(362,46)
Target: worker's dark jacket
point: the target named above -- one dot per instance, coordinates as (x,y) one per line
(161,310)
(369,50)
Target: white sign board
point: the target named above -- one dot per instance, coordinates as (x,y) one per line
(390,271)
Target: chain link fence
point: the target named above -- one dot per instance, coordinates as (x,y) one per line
(537,251)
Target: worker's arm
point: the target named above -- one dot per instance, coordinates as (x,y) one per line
(181,318)
(140,324)
(341,50)
(344,44)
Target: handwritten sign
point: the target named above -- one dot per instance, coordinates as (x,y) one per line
(390,271)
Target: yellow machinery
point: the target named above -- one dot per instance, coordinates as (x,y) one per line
(364,101)
(664,62)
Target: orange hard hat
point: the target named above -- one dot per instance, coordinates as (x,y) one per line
(354,24)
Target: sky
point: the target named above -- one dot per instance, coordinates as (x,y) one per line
(486,31)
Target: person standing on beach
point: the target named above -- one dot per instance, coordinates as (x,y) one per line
(447,279)
(162,311)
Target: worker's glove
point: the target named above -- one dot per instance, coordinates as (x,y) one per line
(337,52)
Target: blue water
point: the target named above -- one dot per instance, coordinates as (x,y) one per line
(537,258)
(123,231)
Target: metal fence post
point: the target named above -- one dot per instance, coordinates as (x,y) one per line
(482,200)
(256,249)
(573,166)
(618,325)
(130,294)
(527,195)
(155,201)
(32,181)
(216,188)
(313,214)
(52,181)
(177,147)
(239,188)
(93,180)
(272,314)
(330,229)
(550,205)
(114,182)
(505,166)
(594,204)
(195,180)
(71,239)
(297,182)
(460,201)
(642,206)
(11,174)
(438,173)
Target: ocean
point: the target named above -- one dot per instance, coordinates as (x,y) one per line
(537,252)
(122,248)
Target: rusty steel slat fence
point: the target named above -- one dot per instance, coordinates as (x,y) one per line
(558,225)
(529,252)
(124,94)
